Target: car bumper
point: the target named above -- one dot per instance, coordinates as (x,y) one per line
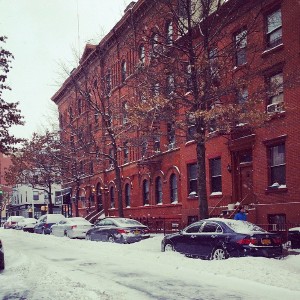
(269,252)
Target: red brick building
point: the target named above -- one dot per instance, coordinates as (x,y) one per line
(257,168)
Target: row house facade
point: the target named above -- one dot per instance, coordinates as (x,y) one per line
(257,168)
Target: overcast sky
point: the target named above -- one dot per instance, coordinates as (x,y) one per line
(43,34)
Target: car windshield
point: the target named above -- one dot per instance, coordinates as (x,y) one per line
(243,227)
(128,222)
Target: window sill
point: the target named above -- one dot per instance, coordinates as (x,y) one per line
(272,50)
(192,197)
(216,195)
(270,190)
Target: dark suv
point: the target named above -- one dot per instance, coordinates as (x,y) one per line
(2,264)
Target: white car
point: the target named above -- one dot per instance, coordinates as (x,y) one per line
(26,224)
(12,222)
(71,227)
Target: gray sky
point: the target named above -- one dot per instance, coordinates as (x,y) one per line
(43,34)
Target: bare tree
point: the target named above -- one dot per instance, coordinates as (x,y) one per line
(36,164)
(196,79)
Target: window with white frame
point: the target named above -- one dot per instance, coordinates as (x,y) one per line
(277,165)
(274,28)
(142,55)
(215,175)
(192,179)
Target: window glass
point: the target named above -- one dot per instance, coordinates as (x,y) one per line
(173,188)
(194,228)
(274,28)
(127,194)
(241,44)
(211,227)
(158,190)
(216,176)
(192,177)
(276,88)
(277,165)
(146,192)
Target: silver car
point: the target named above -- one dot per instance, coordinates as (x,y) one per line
(71,227)
(26,224)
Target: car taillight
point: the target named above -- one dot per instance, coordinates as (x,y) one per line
(247,241)
(73,226)
(123,231)
(46,225)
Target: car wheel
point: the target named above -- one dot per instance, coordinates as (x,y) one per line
(2,265)
(169,247)
(111,239)
(218,254)
(43,231)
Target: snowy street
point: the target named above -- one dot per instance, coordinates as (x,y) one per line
(48,267)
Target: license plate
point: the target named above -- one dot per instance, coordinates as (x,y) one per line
(266,241)
(136,232)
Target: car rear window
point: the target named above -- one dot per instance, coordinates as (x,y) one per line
(128,222)
(244,227)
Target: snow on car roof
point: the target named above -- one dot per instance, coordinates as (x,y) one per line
(240,226)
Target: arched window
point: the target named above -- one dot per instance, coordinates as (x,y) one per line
(123,71)
(112,197)
(158,190)
(127,195)
(146,192)
(173,189)
(169,33)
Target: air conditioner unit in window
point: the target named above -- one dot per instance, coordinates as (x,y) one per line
(274,107)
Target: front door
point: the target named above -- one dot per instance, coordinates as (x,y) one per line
(243,177)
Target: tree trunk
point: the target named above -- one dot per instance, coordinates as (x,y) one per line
(50,205)
(202,192)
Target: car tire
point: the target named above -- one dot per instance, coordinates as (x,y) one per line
(2,266)
(169,247)
(111,239)
(219,254)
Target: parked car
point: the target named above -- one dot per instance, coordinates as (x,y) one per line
(26,221)
(12,222)
(119,230)
(26,224)
(294,237)
(72,227)
(217,238)
(45,222)
(2,263)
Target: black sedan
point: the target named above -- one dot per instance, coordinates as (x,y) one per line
(294,237)
(218,238)
(2,264)
(119,230)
